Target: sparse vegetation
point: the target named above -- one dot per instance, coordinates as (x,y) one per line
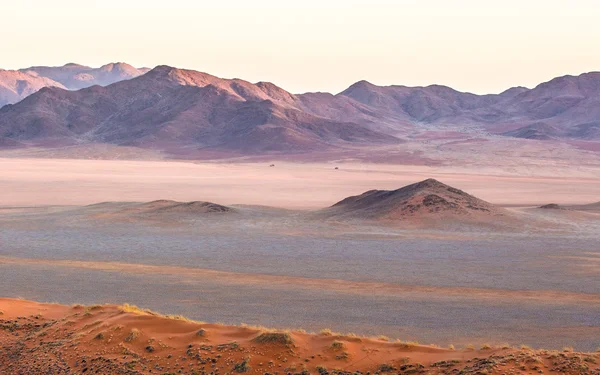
(386,368)
(201,332)
(486,347)
(451,347)
(99,336)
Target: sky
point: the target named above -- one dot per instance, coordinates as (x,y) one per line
(480,46)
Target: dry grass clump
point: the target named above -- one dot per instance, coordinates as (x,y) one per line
(325,332)
(127,308)
(383,338)
(470,347)
(133,334)
(486,347)
(179,317)
(406,344)
(1,312)
(525,347)
(282,338)
(451,347)
(568,349)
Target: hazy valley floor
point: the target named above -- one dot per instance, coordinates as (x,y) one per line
(539,285)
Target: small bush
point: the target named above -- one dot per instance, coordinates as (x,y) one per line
(150,348)
(133,334)
(337,345)
(486,347)
(201,332)
(451,347)
(568,349)
(322,370)
(99,336)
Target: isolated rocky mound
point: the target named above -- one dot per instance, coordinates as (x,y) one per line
(426,199)
(552,206)
(195,207)
(591,207)
(156,210)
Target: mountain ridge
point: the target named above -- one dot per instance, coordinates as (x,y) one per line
(167,108)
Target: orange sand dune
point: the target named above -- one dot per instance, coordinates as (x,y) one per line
(107,339)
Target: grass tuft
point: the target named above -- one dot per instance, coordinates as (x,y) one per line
(282,338)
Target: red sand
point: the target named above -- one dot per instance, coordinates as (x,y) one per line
(40,338)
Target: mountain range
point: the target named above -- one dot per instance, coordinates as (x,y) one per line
(171,109)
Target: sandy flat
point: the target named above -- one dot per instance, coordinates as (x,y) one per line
(289,185)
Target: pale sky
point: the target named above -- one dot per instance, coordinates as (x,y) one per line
(480,46)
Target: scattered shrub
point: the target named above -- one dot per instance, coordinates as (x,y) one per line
(242,366)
